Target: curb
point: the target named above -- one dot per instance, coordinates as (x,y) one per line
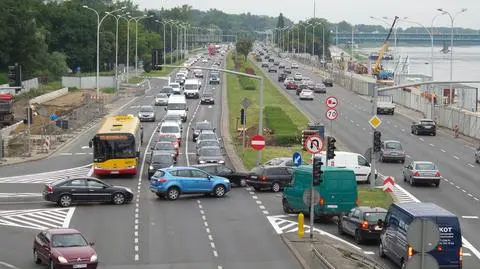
(295,253)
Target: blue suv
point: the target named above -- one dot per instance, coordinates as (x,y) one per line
(171,182)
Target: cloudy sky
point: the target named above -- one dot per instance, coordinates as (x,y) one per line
(353,11)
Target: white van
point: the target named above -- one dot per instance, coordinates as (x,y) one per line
(177,105)
(350,160)
(191,88)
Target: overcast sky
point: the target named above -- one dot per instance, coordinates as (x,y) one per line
(352,11)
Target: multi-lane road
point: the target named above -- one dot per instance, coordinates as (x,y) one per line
(193,232)
(459,192)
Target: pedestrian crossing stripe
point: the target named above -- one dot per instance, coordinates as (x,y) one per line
(20,194)
(37,219)
(47,177)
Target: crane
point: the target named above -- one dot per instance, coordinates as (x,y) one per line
(377,67)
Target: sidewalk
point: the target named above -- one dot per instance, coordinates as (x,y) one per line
(322,252)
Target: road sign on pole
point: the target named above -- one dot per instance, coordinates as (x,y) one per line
(388,184)
(314,144)
(331,102)
(246,103)
(297,159)
(375,122)
(331,114)
(258,142)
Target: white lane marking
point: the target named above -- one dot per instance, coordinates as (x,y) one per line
(8,265)
(205,223)
(369,252)
(421,139)
(261,207)
(396,126)
(212,244)
(65,154)
(358,125)
(403,130)
(475,198)
(464,191)
(470,217)
(451,183)
(207,230)
(471,165)
(456,157)
(446,179)
(408,156)
(20,194)
(458,187)
(470,195)
(265,212)
(215,253)
(443,150)
(259,202)
(252,192)
(351,121)
(432,145)
(255,197)
(188,131)
(210,237)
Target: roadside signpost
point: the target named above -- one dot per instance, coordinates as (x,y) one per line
(374,121)
(388,184)
(423,236)
(331,102)
(331,114)
(258,142)
(243,119)
(297,159)
(314,145)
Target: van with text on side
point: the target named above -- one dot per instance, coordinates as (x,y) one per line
(393,239)
(337,190)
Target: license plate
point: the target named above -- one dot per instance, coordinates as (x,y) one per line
(253,176)
(79,266)
(428,127)
(377,228)
(114,172)
(332,206)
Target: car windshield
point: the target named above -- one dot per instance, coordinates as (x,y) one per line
(203,126)
(167,90)
(207,137)
(173,117)
(274,162)
(207,143)
(164,146)
(424,166)
(374,216)
(68,240)
(306,91)
(168,138)
(146,109)
(176,106)
(210,152)
(393,145)
(208,95)
(427,122)
(109,146)
(162,158)
(161,95)
(174,85)
(169,129)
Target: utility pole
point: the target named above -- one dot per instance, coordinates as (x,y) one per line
(373,154)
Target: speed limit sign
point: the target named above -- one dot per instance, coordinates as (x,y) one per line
(331,114)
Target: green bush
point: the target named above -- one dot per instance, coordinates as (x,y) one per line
(3,78)
(285,132)
(247,83)
(108,90)
(286,139)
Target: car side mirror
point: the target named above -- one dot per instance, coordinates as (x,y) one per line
(138,154)
(186,109)
(165,109)
(91,243)
(90,144)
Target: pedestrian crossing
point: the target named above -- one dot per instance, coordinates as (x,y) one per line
(37,219)
(47,177)
(20,195)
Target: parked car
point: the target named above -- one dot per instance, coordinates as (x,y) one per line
(66,192)
(363,223)
(306,94)
(207,98)
(146,113)
(64,248)
(159,160)
(199,127)
(222,170)
(210,154)
(172,182)
(274,178)
(392,150)
(424,126)
(161,99)
(422,172)
(328,82)
(319,88)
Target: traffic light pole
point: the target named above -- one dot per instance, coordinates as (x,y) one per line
(312,211)
(372,152)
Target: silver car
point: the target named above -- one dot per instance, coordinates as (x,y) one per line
(146,113)
(392,150)
(421,172)
(161,99)
(210,155)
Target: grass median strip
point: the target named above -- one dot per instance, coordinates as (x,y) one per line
(281,117)
(373,197)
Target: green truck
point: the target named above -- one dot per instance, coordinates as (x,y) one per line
(337,191)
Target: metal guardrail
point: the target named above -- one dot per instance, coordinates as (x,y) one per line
(365,261)
(323,259)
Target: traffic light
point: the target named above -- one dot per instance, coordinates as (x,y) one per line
(317,171)
(377,141)
(15,75)
(243,118)
(331,147)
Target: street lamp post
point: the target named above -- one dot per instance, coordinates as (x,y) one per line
(136,41)
(117,17)
(164,51)
(452,20)
(99,23)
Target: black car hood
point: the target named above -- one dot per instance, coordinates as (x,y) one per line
(157,166)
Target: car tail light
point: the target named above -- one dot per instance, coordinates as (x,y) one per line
(437,174)
(49,189)
(410,251)
(364,225)
(263,178)
(439,248)
(321,201)
(460,255)
(162,180)
(356,202)
(416,174)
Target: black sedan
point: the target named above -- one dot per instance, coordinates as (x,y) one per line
(207,98)
(159,160)
(221,170)
(66,192)
(424,126)
(364,223)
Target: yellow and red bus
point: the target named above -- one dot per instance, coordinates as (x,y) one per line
(116,146)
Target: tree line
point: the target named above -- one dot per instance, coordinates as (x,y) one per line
(50,38)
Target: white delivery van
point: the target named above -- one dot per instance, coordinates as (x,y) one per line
(191,88)
(350,160)
(177,105)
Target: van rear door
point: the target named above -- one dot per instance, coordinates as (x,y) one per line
(447,252)
(339,191)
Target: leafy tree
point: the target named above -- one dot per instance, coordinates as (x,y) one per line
(244,46)
(281,21)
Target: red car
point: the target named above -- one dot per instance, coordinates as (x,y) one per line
(291,85)
(63,248)
(170,138)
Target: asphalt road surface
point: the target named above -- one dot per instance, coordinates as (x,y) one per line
(459,192)
(192,232)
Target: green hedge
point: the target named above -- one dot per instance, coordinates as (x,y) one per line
(285,132)
(247,83)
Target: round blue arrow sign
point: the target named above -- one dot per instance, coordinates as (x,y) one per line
(297,159)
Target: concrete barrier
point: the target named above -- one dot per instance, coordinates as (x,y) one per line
(49,96)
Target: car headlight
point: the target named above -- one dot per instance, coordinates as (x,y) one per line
(129,190)
(151,167)
(93,258)
(221,161)
(202,161)
(61,259)
(226,180)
